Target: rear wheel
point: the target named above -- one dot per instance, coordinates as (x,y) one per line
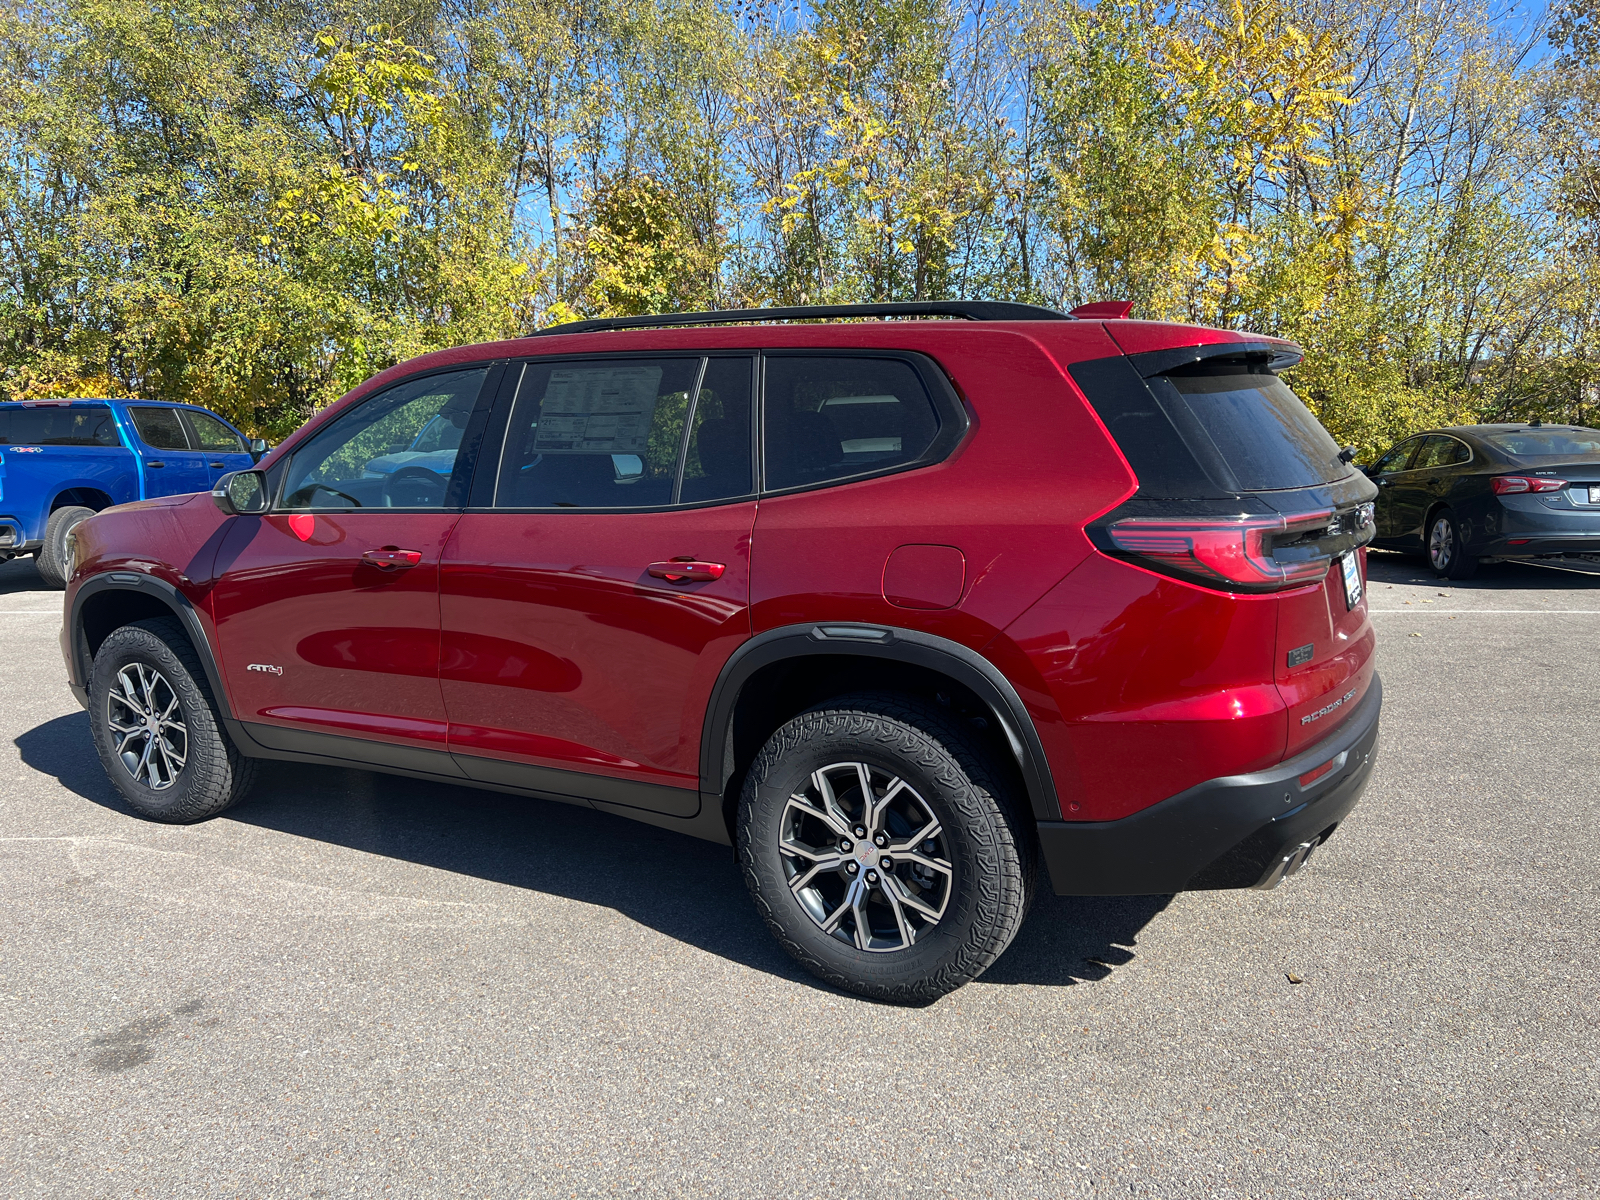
(1446,550)
(156,728)
(52,559)
(883,850)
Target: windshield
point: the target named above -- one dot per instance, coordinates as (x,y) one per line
(1249,431)
(1539,443)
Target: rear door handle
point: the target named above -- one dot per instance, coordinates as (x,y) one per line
(687,570)
(155,464)
(217,465)
(390,559)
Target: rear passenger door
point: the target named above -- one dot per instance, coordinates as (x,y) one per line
(839,537)
(600,578)
(172,464)
(1416,489)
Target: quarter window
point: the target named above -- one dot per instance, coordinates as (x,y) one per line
(389,451)
(831,417)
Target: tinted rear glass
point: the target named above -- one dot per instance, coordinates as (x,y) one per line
(50,425)
(1251,427)
(1537,443)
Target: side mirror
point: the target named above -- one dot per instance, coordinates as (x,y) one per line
(241,492)
(258,447)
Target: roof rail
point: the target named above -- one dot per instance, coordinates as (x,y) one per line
(971,310)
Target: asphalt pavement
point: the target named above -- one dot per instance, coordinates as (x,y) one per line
(356,985)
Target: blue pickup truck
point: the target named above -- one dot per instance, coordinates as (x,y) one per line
(64,460)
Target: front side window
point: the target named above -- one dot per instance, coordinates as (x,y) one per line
(830,417)
(58,425)
(212,434)
(160,428)
(1397,458)
(606,433)
(375,455)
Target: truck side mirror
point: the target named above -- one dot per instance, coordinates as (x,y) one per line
(258,447)
(241,492)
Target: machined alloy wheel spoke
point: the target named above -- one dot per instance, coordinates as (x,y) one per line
(145,717)
(865,857)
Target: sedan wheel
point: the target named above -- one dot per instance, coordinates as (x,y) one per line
(1446,550)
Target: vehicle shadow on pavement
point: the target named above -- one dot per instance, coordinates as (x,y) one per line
(1393,566)
(680,886)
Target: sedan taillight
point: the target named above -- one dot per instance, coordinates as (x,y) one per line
(1228,550)
(1511,485)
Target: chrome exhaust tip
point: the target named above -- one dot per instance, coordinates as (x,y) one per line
(1288,865)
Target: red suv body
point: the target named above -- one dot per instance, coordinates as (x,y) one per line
(609,567)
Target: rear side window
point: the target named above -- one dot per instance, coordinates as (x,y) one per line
(1248,430)
(830,417)
(1440,451)
(1536,443)
(159,428)
(597,433)
(213,434)
(58,425)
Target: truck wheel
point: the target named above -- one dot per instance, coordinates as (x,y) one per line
(883,850)
(52,559)
(156,728)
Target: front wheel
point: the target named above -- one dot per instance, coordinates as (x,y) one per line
(1447,550)
(156,729)
(54,558)
(883,850)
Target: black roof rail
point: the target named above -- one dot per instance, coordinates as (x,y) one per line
(971,310)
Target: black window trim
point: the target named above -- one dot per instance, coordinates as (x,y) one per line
(955,423)
(460,481)
(487,476)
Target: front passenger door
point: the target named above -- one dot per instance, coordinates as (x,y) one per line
(1384,473)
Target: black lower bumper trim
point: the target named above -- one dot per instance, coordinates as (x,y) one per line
(1224,833)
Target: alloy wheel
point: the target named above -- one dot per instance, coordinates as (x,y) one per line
(146,719)
(1441,544)
(865,857)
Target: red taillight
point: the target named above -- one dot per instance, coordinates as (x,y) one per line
(1232,550)
(1511,485)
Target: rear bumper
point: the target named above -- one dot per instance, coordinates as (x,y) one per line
(1225,833)
(1527,545)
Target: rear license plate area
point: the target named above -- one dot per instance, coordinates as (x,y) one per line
(1350,570)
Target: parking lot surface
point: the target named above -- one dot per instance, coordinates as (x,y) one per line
(352,984)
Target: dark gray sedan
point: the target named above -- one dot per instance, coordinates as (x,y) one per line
(1476,493)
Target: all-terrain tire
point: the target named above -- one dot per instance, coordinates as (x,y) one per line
(52,560)
(213,774)
(989,844)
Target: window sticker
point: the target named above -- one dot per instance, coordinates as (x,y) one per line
(598,410)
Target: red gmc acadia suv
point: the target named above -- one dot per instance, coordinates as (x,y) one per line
(895,607)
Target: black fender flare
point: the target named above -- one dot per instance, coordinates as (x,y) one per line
(961,664)
(175,601)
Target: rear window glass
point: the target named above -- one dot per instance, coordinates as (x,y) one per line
(58,425)
(1249,431)
(1535,443)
